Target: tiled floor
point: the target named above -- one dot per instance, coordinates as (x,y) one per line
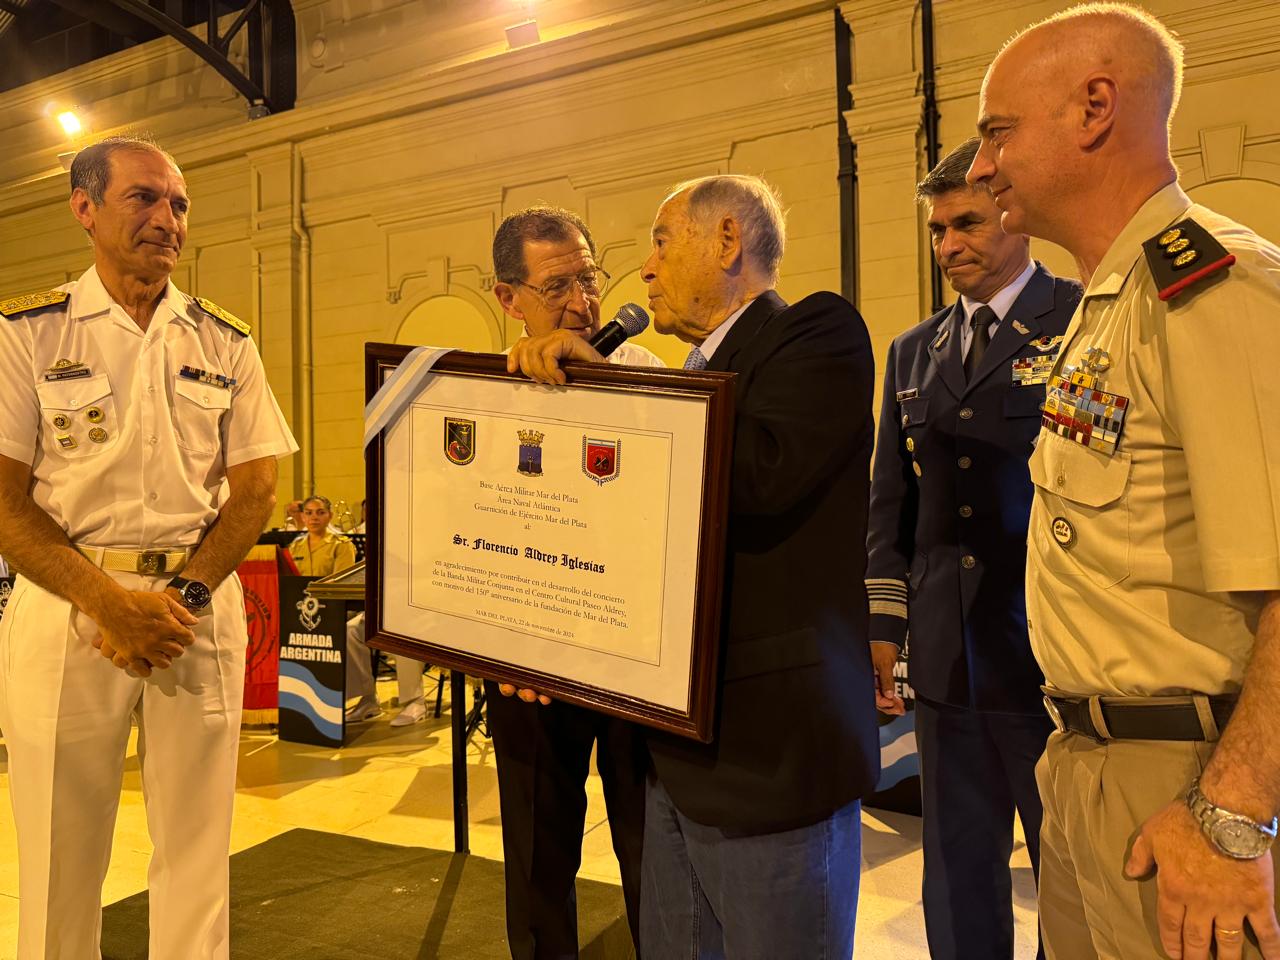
(394,785)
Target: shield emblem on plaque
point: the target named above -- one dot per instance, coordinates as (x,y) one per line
(601,459)
(530,462)
(459,440)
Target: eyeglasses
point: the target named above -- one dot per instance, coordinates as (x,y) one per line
(557,291)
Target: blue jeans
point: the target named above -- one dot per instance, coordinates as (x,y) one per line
(708,895)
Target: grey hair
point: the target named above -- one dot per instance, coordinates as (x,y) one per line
(950,172)
(91,168)
(750,201)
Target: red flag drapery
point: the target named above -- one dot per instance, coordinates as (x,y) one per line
(260,577)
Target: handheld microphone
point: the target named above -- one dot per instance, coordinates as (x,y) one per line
(627,322)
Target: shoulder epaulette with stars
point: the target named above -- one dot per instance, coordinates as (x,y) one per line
(1182,255)
(223,316)
(12,309)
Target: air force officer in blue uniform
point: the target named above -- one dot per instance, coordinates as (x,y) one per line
(950,500)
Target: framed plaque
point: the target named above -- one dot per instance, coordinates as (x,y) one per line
(567,539)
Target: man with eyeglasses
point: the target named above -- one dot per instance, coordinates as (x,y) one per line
(752,842)
(548,279)
(545,262)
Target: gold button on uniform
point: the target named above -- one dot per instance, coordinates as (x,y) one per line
(1063,532)
(966,511)
(966,413)
(968,561)
(98,435)
(964,463)
(61,421)
(911,445)
(95,415)
(916,467)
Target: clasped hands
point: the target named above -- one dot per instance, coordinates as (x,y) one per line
(144,631)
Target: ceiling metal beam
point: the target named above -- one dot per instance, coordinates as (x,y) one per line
(271,43)
(9,7)
(148,14)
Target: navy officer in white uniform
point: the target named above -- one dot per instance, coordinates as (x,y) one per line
(138,448)
(950,500)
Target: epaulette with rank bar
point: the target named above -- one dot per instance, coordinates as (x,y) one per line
(223,316)
(1184,254)
(31,302)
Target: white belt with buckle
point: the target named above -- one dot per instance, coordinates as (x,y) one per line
(146,562)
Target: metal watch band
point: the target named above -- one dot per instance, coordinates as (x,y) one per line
(1217,823)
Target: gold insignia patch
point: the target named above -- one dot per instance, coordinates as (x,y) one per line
(1184,245)
(32,301)
(230,319)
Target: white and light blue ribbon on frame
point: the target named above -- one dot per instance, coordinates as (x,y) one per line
(399,390)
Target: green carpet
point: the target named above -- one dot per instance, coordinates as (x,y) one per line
(307,895)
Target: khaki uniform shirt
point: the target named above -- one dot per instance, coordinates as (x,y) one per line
(334,554)
(129,452)
(1146,565)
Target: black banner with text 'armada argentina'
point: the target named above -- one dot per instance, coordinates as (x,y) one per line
(313,636)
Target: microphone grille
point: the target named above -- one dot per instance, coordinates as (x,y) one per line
(633,318)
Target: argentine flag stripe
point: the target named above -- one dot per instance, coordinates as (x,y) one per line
(400,390)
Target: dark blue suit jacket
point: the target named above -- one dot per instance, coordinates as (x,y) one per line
(796,727)
(950,501)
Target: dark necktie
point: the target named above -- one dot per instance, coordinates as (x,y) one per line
(980,321)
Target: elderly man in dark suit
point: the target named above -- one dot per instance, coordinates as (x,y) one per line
(950,501)
(752,843)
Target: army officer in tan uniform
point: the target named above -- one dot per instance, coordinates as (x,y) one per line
(1154,544)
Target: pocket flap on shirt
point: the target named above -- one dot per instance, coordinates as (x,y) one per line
(914,409)
(202,394)
(73,394)
(1074,472)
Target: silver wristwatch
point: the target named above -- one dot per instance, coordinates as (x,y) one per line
(1231,834)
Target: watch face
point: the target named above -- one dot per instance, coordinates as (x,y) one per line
(1239,838)
(196,595)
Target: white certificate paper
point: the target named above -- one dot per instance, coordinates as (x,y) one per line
(549,527)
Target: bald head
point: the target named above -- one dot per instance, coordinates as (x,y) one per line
(1114,39)
(1074,120)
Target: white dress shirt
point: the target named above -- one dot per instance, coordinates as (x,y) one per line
(709,345)
(133,454)
(627,354)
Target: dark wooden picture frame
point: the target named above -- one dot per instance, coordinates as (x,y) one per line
(697,721)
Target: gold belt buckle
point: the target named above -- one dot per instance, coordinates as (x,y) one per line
(152,562)
(1055,715)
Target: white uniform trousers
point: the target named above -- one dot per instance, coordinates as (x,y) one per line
(65,711)
(360,682)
